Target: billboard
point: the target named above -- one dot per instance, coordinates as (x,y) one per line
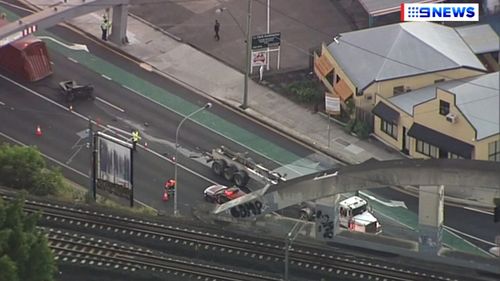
(267,40)
(113,166)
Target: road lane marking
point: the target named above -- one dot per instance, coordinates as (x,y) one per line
(85,118)
(1,103)
(479,211)
(72,59)
(63,165)
(110,104)
(469,236)
(106,77)
(132,90)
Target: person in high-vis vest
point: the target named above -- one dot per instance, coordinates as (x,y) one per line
(105,26)
(135,138)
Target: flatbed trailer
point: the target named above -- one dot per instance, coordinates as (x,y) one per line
(239,168)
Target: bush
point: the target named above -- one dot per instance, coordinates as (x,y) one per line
(306,91)
(362,129)
(25,168)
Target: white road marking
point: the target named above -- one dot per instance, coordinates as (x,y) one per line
(479,211)
(470,236)
(72,59)
(64,165)
(75,47)
(1,103)
(132,90)
(392,203)
(119,130)
(110,104)
(106,77)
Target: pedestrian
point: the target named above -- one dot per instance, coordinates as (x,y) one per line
(135,138)
(105,25)
(216,29)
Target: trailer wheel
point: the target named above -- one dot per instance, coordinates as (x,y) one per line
(218,167)
(241,178)
(229,172)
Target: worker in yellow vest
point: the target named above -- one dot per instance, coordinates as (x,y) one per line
(135,138)
(105,27)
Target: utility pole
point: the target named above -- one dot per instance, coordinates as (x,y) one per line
(244,105)
(92,185)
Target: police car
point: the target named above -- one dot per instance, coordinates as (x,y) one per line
(221,194)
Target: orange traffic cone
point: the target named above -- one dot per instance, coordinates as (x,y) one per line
(38,131)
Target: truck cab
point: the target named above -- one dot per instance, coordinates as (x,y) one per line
(355,215)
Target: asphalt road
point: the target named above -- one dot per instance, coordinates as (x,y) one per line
(23,111)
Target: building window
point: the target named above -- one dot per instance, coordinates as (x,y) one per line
(427,149)
(337,79)
(398,90)
(494,151)
(454,156)
(389,128)
(444,107)
(329,77)
(438,80)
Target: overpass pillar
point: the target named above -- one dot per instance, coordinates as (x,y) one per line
(326,218)
(119,25)
(430,218)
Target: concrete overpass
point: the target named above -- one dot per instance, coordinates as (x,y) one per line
(68,9)
(478,181)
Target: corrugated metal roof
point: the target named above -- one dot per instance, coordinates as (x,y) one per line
(478,98)
(401,50)
(480,38)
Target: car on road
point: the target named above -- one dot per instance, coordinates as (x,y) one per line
(221,194)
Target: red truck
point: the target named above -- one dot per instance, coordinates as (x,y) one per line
(26,58)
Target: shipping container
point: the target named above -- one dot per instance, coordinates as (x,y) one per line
(26,58)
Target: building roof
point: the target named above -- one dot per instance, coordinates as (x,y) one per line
(481,38)
(401,50)
(478,98)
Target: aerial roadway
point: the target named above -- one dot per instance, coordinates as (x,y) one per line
(130,97)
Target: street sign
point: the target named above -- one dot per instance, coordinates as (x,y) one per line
(332,104)
(267,40)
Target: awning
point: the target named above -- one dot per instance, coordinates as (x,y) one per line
(342,90)
(322,65)
(442,141)
(385,112)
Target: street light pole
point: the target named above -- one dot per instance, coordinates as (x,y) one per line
(290,237)
(244,105)
(206,106)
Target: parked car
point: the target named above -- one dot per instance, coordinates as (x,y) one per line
(221,194)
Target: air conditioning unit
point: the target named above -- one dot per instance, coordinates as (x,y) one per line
(452,118)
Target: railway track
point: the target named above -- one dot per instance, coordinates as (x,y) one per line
(75,248)
(304,259)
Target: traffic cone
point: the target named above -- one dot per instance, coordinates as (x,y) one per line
(38,131)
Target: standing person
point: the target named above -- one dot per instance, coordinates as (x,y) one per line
(135,138)
(105,25)
(216,29)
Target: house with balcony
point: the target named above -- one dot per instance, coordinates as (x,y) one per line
(392,60)
(451,119)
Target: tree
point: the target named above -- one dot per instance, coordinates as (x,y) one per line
(24,250)
(25,168)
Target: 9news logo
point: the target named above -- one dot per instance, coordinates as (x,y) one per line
(440,12)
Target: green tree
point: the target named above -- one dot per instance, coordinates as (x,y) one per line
(25,168)
(24,250)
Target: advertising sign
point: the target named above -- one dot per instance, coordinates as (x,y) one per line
(267,40)
(259,58)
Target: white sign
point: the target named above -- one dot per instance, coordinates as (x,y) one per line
(11,38)
(259,58)
(332,104)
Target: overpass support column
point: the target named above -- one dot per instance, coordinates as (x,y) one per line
(430,218)
(119,25)
(326,218)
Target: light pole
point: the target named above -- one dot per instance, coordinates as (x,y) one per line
(248,41)
(206,106)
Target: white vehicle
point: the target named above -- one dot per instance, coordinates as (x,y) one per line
(355,216)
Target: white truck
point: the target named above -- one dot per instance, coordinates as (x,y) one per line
(239,168)
(354,214)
